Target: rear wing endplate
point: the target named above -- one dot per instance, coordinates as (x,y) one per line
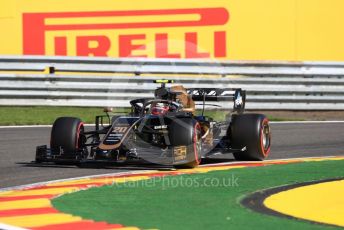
(238,96)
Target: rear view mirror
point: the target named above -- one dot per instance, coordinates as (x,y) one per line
(108,109)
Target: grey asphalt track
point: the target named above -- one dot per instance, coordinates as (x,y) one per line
(18,149)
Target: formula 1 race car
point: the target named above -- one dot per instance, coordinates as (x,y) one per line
(163,130)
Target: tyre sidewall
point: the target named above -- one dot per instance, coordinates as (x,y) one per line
(183,132)
(65,133)
(246,130)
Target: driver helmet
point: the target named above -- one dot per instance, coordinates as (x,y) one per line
(160,108)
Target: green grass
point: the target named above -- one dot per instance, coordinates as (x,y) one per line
(152,204)
(44,115)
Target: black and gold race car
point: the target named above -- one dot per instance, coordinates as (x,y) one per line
(163,130)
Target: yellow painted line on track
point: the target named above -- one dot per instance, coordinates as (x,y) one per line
(100,181)
(126,228)
(323,202)
(45,191)
(77,184)
(32,221)
(209,169)
(6,193)
(23,204)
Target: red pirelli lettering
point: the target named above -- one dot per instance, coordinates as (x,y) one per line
(61,46)
(35,29)
(126,46)
(191,41)
(161,50)
(84,47)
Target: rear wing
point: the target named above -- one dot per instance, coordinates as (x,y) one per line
(238,96)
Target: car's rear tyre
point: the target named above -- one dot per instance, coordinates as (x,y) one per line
(67,133)
(186,133)
(253,132)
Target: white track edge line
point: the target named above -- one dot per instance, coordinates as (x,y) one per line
(271,122)
(74,178)
(272,160)
(31,126)
(8,227)
(147,171)
(305,122)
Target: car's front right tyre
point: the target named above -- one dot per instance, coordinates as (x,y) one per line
(252,132)
(185,135)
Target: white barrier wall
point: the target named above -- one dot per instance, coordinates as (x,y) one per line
(113,82)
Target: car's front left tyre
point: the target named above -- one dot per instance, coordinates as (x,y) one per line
(67,133)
